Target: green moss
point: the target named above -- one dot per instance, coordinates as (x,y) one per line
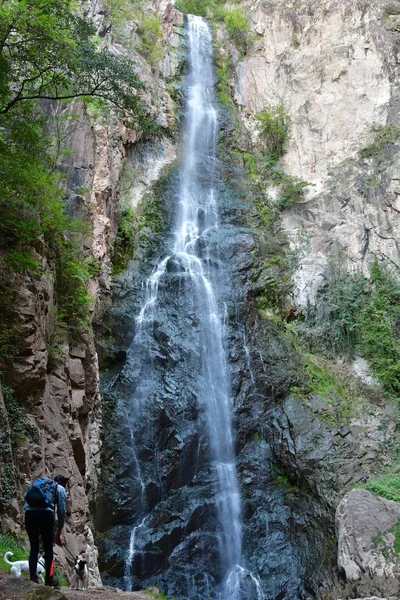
(154,592)
(151,215)
(282,479)
(138,229)
(223,67)
(397,537)
(338,77)
(392,9)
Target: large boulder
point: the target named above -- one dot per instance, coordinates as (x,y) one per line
(366,527)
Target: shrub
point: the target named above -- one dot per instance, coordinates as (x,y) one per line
(331,326)
(223,66)
(237,26)
(124,240)
(73,298)
(192,7)
(273,123)
(292,188)
(9,323)
(9,543)
(150,31)
(339,390)
(353,313)
(14,430)
(383,135)
(202,8)
(379,327)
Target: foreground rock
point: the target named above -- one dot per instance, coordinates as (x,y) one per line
(367,529)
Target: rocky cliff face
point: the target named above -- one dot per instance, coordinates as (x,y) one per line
(334,65)
(52,385)
(296,451)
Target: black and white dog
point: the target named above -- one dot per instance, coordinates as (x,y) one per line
(22,566)
(80,576)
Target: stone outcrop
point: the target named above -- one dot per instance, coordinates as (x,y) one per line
(367,527)
(334,66)
(57,390)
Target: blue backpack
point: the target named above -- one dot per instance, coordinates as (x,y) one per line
(42,493)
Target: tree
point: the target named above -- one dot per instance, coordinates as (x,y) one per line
(47,51)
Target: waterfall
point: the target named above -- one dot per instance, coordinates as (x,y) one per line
(194,262)
(196,216)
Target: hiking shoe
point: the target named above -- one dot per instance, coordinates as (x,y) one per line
(53,582)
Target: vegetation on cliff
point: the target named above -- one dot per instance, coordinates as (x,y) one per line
(352,313)
(49,54)
(234,17)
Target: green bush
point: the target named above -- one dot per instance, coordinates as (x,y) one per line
(33,217)
(379,327)
(292,188)
(9,322)
(73,298)
(330,327)
(237,26)
(150,32)
(192,7)
(13,433)
(137,229)
(382,136)
(353,314)
(9,543)
(124,241)
(49,51)
(202,8)
(339,390)
(223,66)
(273,124)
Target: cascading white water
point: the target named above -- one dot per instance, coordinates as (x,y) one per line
(197,224)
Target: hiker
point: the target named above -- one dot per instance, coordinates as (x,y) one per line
(41,499)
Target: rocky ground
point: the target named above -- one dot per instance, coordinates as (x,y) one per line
(22,589)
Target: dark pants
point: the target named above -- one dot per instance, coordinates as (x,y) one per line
(40,524)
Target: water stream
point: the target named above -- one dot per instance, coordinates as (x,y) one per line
(195,263)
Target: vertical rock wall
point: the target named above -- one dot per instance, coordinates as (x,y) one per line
(56,385)
(334,66)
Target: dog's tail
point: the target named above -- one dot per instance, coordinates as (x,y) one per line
(6,559)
